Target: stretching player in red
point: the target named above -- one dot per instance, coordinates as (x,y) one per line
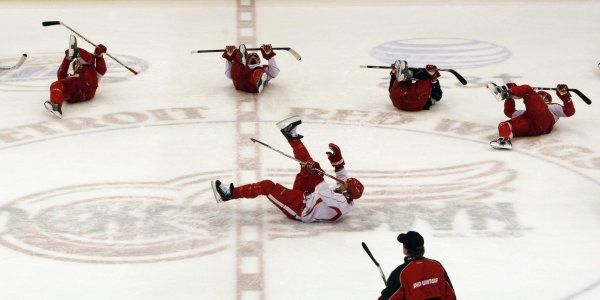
(311,199)
(539,116)
(80,86)
(414,89)
(245,70)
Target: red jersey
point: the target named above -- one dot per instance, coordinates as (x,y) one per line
(419,279)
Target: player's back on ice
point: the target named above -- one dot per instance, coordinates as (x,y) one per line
(311,199)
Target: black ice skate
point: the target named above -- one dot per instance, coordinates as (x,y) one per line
(221,191)
(243,53)
(53,108)
(288,128)
(501,143)
(401,69)
(500,92)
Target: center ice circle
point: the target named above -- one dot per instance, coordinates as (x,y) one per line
(444,52)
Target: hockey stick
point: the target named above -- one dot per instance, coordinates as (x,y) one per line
(375,261)
(456,74)
(52,23)
(290,50)
(299,161)
(576,91)
(19,63)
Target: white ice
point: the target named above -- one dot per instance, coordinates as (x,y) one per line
(113,201)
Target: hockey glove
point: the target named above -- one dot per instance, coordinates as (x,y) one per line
(335,157)
(100,49)
(229,52)
(267,51)
(562,91)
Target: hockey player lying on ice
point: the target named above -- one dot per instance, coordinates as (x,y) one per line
(88,69)
(311,199)
(539,116)
(245,70)
(414,89)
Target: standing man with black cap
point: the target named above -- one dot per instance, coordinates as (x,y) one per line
(418,277)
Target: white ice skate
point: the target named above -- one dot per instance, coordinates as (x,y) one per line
(499,92)
(221,192)
(401,69)
(501,143)
(243,53)
(53,108)
(73,51)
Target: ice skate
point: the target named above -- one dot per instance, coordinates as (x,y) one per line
(73,52)
(401,69)
(500,92)
(261,82)
(501,143)
(221,191)
(243,53)
(53,108)
(288,128)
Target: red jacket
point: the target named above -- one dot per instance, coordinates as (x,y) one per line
(419,279)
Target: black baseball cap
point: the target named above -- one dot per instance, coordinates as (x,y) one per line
(412,240)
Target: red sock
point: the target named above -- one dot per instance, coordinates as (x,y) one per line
(505,130)
(57,93)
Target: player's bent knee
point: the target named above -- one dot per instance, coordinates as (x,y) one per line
(266,186)
(57,85)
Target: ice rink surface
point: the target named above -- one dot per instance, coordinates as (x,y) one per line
(114,201)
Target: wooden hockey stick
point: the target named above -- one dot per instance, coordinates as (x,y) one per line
(456,74)
(576,91)
(290,50)
(299,161)
(16,66)
(52,23)
(375,261)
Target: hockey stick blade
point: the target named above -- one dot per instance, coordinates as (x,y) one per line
(582,96)
(17,65)
(457,75)
(369,253)
(50,23)
(295,54)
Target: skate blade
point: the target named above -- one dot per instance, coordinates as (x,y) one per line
(214,188)
(49,108)
(285,122)
(495,145)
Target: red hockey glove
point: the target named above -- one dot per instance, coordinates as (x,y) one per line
(511,85)
(267,51)
(312,167)
(229,52)
(433,71)
(562,91)
(335,157)
(99,50)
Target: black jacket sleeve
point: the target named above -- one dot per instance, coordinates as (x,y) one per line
(393,283)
